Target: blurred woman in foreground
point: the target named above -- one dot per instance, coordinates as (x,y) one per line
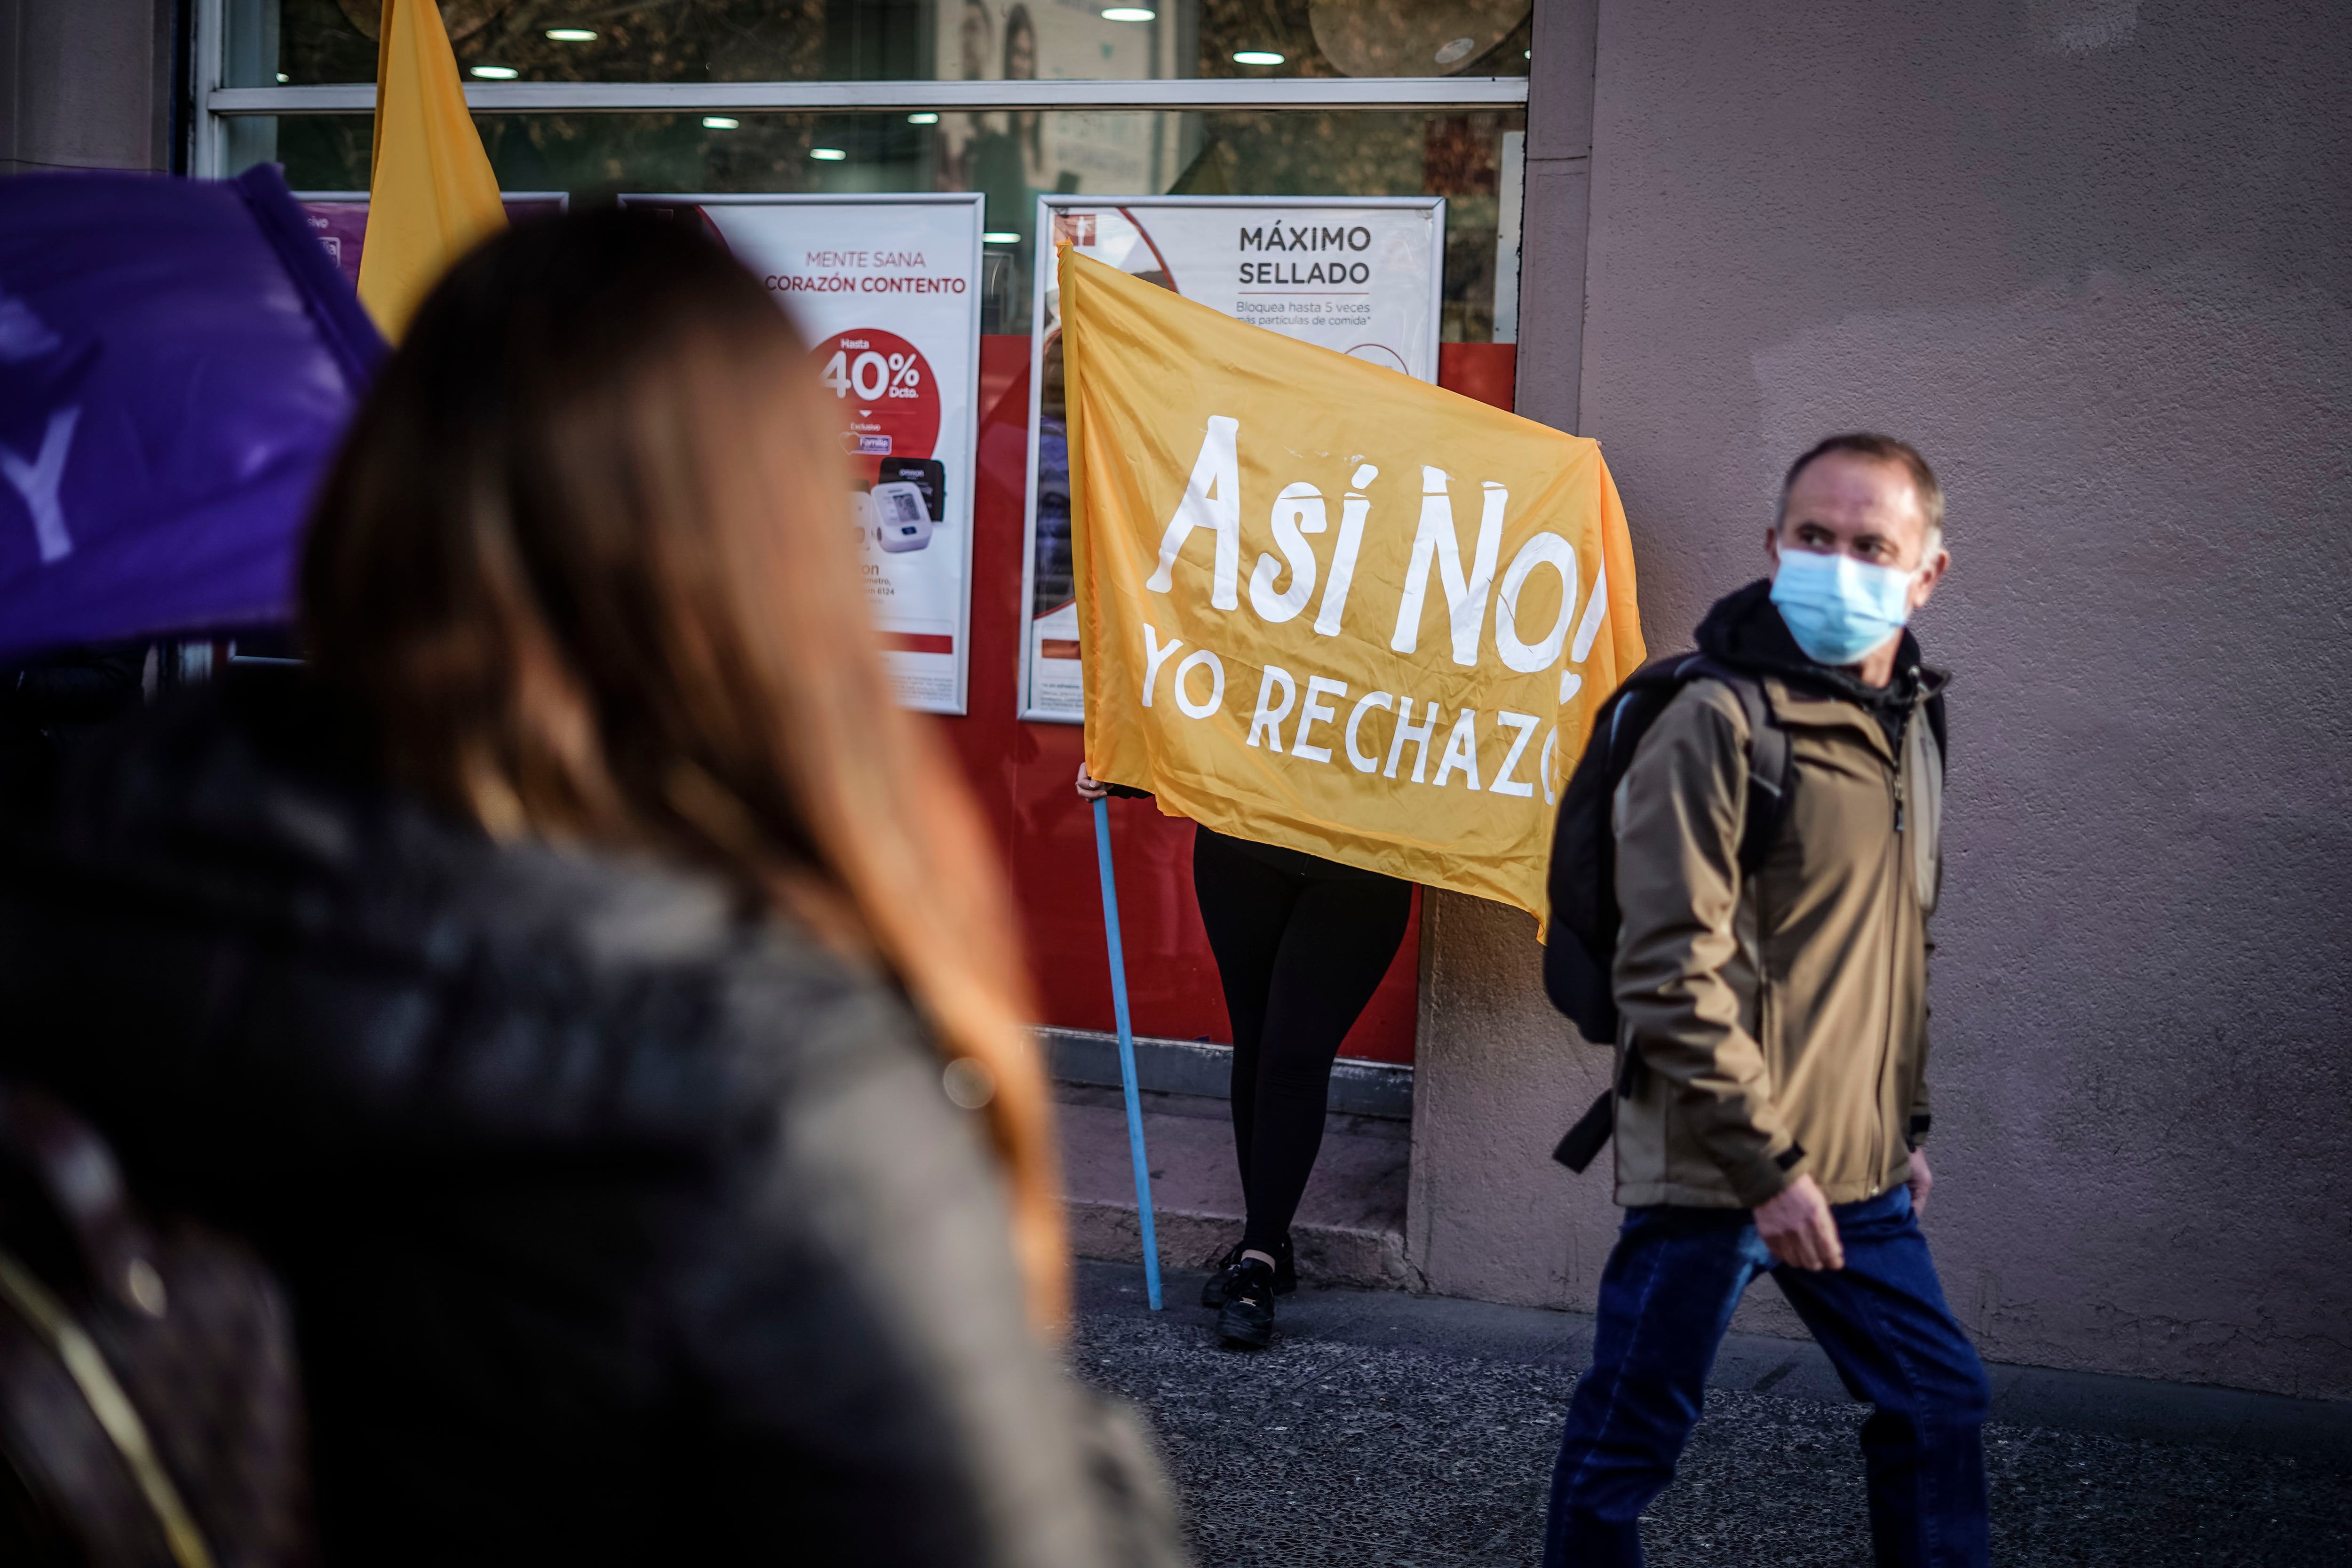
(592,992)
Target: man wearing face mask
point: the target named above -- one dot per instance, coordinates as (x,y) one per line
(1772,1106)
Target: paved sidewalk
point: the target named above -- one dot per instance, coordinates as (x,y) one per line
(1389,1431)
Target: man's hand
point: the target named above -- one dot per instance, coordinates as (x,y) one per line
(1088,788)
(1920,1180)
(1796,1226)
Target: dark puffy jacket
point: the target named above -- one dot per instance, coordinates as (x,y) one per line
(620,1227)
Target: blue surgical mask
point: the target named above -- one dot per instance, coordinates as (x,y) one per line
(1839,608)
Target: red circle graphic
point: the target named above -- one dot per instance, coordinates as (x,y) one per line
(888,399)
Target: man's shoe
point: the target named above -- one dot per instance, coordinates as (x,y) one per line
(1286,1274)
(1247,1318)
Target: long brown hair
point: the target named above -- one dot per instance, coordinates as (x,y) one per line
(587,563)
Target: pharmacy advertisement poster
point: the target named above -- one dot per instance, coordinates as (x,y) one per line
(886,290)
(1361,277)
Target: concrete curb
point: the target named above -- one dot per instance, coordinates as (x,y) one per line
(1195,1066)
(1330,1254)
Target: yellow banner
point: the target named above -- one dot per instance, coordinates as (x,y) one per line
(1324,605)
(431,194)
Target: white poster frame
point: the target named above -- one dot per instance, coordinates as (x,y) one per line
(965,488)
(1047,206)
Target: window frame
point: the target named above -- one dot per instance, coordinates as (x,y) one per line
(218,104)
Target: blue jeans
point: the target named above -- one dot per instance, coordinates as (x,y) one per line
(1665,1301)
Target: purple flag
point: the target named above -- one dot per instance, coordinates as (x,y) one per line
(178,360)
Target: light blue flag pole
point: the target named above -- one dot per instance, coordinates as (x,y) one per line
(1126,1052)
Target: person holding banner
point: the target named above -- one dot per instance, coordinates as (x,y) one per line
(593,995)
(1353,627)
(1301,944)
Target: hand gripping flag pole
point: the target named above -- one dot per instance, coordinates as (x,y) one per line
(1126,1052)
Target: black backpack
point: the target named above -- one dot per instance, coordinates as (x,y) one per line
(149,1411)
(1581,948)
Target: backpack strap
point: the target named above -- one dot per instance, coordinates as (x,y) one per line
(1769,767)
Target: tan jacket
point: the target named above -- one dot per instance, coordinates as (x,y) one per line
(1780,1021)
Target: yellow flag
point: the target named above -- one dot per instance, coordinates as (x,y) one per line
(1324,605)
(432,195)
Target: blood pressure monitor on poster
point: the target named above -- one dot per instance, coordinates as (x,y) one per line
(928,475)
(903,508)
(901,522)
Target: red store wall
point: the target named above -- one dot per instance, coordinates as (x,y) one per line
(1023,771)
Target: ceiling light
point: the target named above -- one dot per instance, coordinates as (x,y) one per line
(573,35)
(1000,236)
(922,119)
(1256,57)
(494,73)
(1128,14)
(720,122)
(827,154)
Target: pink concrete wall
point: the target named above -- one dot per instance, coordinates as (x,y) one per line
(2095,258)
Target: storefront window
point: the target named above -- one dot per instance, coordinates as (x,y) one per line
(1009,156)
(316,41)
(1278,99)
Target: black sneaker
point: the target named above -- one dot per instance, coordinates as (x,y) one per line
(1286,1274)
(1247,1318)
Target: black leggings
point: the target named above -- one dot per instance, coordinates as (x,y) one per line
(1299,954)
